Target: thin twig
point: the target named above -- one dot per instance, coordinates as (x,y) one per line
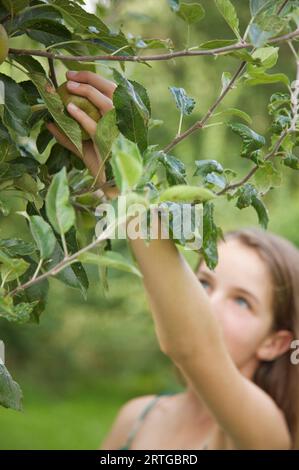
(71,258)
(200,124)
(256,167)
(150,58)
(52,73)
(292,128)
(282,7)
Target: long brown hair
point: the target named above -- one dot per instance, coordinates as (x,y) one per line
(279,378)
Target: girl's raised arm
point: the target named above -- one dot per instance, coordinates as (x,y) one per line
(190,335)
(186,328)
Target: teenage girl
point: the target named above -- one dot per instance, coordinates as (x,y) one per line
(228,331)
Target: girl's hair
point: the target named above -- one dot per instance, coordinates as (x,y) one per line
(279,378)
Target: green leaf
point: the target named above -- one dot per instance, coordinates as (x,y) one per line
(257,36)
(79,18)
(78,269)
(252,142)
(191,12)
(16,110)
(243,55)
(67,275)
(22,20)
(43,235)
(60,212)
(248,196)
(16,247)
(10,392)
(47,32)
(12,268)
(15,6)
(154,43)
(292,161)
(43,139)
(225,80)
(126,164)
(211,233)
(235,112)
(106,133)
(19,313)
(151,162)
(257,6)
(212,173)
(55,106)
(31,187)
(261,211)
(110,259)
(107,42)
(174,4)
(207,166)
(133,111)
(214,179)
(174,168)
(261,78)
(184,103)
(228,12)
(267,56)
(34,296)
(278,100)
(267,177)
(185,193)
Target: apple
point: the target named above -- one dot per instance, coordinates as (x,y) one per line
(82,103)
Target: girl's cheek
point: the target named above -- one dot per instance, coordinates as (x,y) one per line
(240,328)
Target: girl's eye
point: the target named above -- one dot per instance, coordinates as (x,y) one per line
(204,283)
(243,302)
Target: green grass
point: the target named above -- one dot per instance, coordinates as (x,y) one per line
(78,423)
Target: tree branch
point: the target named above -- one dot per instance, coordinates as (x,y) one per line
(52,73)
(292,128)
(71,258)
(282,7)
(256,167)
(150,58)
(200,124)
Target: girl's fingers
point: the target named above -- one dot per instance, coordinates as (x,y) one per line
(106,87)
(62,138)
(88,124)
(96,97)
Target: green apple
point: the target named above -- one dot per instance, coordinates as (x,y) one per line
(3,44)
(82,103)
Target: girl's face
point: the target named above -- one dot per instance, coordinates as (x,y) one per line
(240,293)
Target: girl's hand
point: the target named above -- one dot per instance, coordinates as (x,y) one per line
(100,92)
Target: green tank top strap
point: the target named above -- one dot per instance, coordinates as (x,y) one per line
(141,417)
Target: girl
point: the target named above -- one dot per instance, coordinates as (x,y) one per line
(228,331)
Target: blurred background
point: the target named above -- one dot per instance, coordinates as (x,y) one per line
(88,357)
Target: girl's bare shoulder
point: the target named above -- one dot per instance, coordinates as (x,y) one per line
(124,420)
